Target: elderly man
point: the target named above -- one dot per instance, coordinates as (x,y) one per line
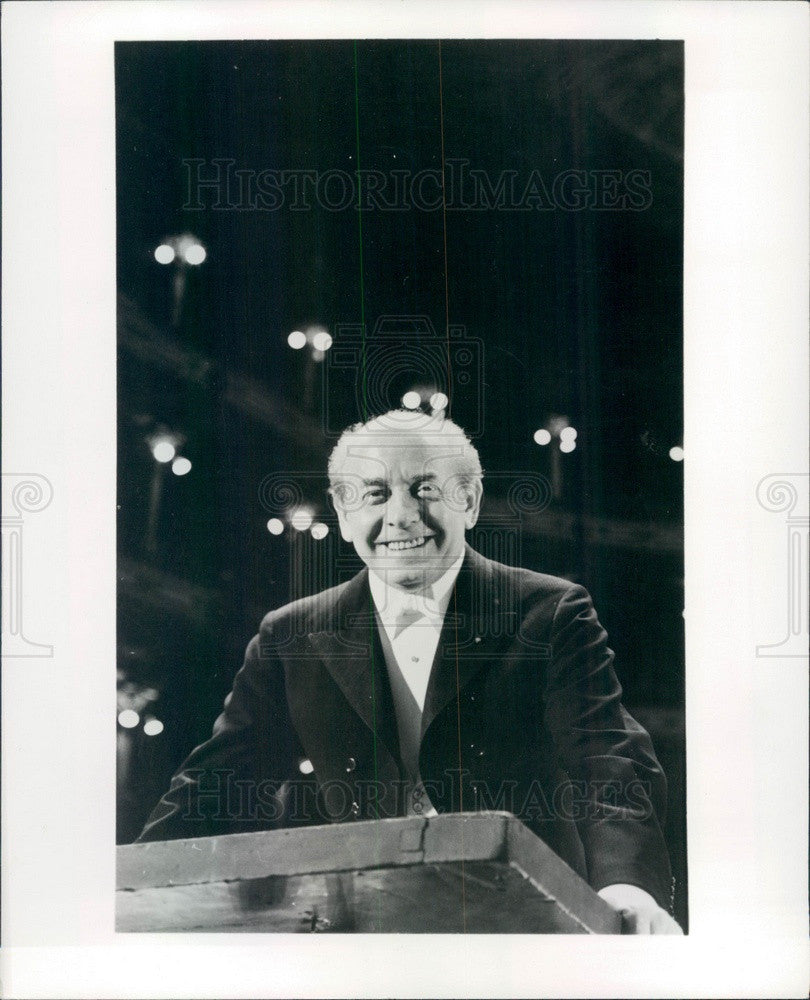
(434,680)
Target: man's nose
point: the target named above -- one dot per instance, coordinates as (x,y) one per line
(402,509)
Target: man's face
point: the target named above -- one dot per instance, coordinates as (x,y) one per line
(406,509)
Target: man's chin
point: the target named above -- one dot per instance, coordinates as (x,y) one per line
(409,574)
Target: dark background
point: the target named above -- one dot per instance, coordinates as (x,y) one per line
(571,313)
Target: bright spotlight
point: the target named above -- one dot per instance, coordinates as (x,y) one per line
(411,400)
(305,767)
(542,436)
(153,727)
(319,531)
(568,434)
(676,454)
(164,254)
(275,526)
(322,341)
(567,446)
(301,519)
(181,466)
(194,254)
(163,450)
(438,401)
(297,340)
(128,719)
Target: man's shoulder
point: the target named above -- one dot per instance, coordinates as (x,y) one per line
(312,613)
(529,583)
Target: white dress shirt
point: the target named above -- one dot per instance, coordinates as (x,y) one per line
(414,648)
(410,649)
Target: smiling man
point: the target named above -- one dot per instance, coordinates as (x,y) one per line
(434,681)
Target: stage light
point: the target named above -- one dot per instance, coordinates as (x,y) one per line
(153,727)
(676,454)
(194,253)
(568,434)
(305,767)
(438,401)
(163,450)
(411,400)
(164,254)
(297,340)
(542,436)
(319,531)
(129,718)
(301,519)
(181,466)
(275,526)
(567,446)
(322,341)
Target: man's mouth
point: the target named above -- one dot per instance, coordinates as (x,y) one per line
(410,543)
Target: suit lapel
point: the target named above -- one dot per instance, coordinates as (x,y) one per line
(468,641)
(351,651)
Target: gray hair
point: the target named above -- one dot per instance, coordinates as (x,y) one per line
(388,429)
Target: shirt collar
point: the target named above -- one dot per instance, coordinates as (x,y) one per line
(391,600)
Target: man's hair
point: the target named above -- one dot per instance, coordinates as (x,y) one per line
(388,430)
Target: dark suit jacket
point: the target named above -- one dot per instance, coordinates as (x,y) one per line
(522,713)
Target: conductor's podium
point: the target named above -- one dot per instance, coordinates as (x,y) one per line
(454,873)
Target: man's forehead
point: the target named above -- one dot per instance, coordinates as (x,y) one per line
(408,459)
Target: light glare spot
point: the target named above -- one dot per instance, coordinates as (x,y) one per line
(297,339)
(567,446)
(153,727)
(164,254)
(542,436)
(438,401)
(322,341)
(163,451)
(411,400)
(676,454)
(194,254)
(301,520)
(181,466)
(275,526)
(129,718)
(305,767)
(319,531)
(568,434)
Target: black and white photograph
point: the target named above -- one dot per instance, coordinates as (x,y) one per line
(400,395)
(404,499)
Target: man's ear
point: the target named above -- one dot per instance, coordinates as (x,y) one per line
(475,493)
(343,521)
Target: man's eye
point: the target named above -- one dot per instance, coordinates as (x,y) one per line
(376,495)
(427,490)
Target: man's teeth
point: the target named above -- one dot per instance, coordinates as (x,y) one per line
(412,544)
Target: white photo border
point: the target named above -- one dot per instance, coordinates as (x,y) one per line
(746,354)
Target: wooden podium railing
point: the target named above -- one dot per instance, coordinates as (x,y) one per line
(460,872)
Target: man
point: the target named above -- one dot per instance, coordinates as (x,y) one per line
(435,679)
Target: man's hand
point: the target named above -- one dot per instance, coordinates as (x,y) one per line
(641,913)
